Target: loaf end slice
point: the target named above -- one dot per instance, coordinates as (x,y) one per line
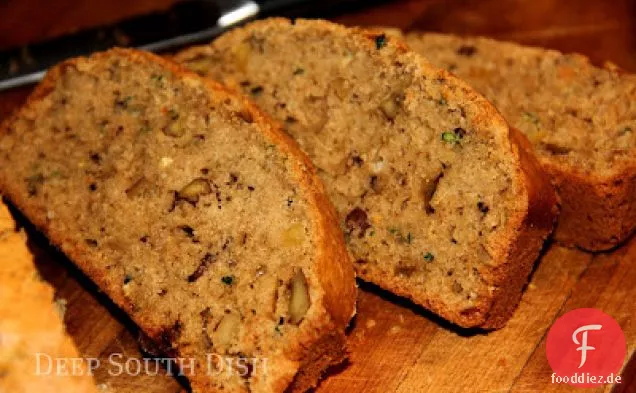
(438,201)
(31,326)
(192,211)
(581,120)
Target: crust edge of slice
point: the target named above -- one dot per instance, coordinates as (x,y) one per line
(518,251)
(332,261)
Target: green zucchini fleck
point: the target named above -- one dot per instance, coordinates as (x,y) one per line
(453,137)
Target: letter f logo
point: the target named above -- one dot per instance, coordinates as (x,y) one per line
(585,329)
(584,347)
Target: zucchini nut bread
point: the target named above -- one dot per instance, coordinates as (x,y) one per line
(580,119)
(30,323)
(439,200)
(192,211)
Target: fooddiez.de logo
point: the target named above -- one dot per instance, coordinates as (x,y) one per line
(585,348)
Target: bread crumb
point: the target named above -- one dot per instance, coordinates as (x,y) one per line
(359,335)
(103,388)
(166,162)
(377,166)
(376,219)
(60,307)
(126,289)
(4,233)
(370,323)
(532,286)
(401,318)
(395,329)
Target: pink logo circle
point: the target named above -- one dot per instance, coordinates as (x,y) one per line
(585,347)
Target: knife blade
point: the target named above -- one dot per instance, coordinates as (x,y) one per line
(186,23)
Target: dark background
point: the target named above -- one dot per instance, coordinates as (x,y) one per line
(601,29)
(604,30)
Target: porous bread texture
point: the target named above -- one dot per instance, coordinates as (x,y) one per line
(580,119)
(30,324)
(195,214)
(430,187)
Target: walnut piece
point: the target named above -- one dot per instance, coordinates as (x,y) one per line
(226,330)
(195,189)
(299,300)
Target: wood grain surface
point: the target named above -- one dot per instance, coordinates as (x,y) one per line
(395,346)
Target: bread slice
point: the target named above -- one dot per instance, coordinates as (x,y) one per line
(195,214)
(30,324)
(438,201)
(580,119)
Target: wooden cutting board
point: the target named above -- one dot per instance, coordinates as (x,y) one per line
(396,346)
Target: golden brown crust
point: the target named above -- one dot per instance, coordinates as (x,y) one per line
(524,250)
(29,323)
(517,250)
(599,213)
(599,201)
(332,262)
(327,351)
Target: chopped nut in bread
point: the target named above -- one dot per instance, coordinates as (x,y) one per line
(173,198)
(407,152)
(579,119)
